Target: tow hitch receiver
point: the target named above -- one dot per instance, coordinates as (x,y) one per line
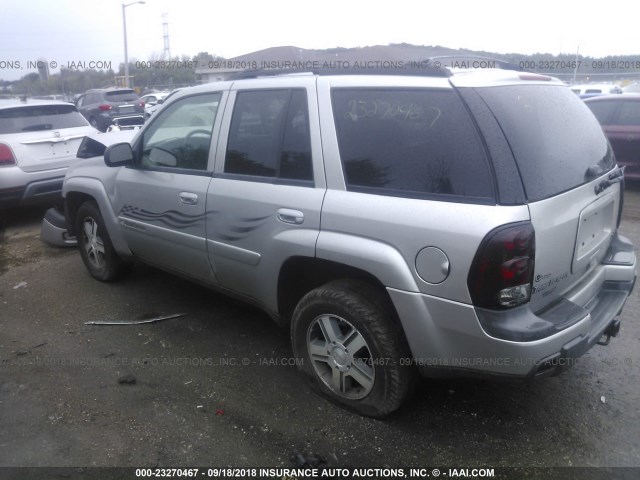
(611,331)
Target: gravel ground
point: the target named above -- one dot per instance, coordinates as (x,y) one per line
(216,386)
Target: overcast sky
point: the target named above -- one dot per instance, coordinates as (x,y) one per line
(71,30)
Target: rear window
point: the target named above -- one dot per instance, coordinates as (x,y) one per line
(553,136)
(39,117)
(410,142)
(121,96)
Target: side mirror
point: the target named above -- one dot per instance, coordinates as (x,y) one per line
(118,155)
(160,101)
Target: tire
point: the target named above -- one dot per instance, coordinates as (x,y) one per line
(96,249)
(94,124)
(350,328)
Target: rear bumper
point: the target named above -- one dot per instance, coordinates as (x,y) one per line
(123,121)
(128,122)
(54,229)
(20,188)
(452,339)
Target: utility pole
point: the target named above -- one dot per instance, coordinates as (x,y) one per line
(126,54)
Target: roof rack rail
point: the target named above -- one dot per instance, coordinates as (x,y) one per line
(416,69)
(482,62)
(439,66)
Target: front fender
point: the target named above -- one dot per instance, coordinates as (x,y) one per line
(94,188)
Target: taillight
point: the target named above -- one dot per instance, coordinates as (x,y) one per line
(141,104)
(534,77)
(621,203)
(104,108)
(502,271)
(6,156)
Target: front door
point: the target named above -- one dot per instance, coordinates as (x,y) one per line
(161,200)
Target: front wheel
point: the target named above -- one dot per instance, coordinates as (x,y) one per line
(350,347)
(95,246)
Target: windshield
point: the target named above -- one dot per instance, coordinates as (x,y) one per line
(39,117)
(554,137)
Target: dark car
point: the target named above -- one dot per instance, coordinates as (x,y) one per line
(619,116)
(111,106)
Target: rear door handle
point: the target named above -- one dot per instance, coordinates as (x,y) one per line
(287,215)
(188,198)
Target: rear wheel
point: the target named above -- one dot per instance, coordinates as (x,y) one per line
(94,124)
(350,347)
(95,246)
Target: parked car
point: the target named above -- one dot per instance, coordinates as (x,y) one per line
(619,116)
(54,226)
(38,141)
(151,102)
(153,108)
(632,88)
(448,224)
(595,89)
(105,107)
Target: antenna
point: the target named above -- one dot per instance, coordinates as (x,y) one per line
(166,52)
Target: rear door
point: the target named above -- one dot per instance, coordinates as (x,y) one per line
(562,154)
(267,191)
(161,201)
(88,104)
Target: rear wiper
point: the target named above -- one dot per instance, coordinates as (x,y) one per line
(615,176)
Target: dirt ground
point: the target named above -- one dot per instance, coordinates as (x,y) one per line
(217,386)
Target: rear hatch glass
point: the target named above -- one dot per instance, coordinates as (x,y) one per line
(553,136)
(559,148)
(34,118)
(121,96)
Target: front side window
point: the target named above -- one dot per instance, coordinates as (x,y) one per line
(410,142)
(181,135)
(269,135)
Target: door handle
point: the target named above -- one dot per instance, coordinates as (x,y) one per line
(188,198)
(287,215)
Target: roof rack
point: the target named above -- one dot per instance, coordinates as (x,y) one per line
(416,69)
(478,60)
(439,66)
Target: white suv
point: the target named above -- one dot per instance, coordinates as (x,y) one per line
(449,224)
(38,141)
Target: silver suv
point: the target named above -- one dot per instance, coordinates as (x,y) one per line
(445,224)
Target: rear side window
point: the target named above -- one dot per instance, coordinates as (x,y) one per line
(410,142)
(269,135)
(553,136)
(40,117)
(603,111)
